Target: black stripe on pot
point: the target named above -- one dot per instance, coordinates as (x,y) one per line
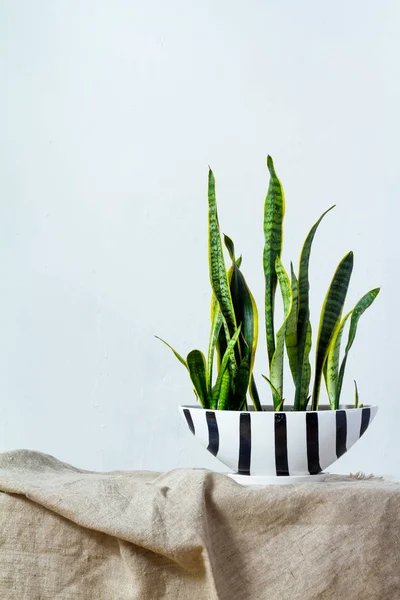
(189,419)
(341,432)
(312,443)
(213,433)
(281,454)
(244,444)
(365,417)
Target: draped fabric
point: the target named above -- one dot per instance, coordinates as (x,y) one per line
(68,534)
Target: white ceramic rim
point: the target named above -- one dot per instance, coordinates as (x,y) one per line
(270,409)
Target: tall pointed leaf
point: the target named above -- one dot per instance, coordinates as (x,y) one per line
(178,356)
(291,326)
(331,367)
(218,276)
(303,371)
(358,310)
(331,314)
(274,211)
(197,368)
(276,374)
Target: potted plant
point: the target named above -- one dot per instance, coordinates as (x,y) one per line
(281,441)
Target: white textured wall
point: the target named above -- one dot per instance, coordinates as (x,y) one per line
(110,114)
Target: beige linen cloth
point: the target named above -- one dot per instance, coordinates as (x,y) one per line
(191,535)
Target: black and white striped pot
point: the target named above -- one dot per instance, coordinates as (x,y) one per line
(278,447)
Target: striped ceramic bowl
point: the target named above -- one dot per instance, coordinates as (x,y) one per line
(272,443)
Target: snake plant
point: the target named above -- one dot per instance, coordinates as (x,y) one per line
(234,320)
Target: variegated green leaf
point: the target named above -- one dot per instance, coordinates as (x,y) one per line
(224,364)
(178,356)
(197,369)
(236,300)
(306,370)
(358,310)
(241,383)
(214,306)
(276,372)
(331,367)
(214,334)
(224,391)
(218,275)
(224,335)
(331,314)
(291,327)
(274,211)
(303,318)
(253,347)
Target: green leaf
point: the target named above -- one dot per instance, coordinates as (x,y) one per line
(358,310)
(255,398)
(230,247)
(230,347)
(331,367)
(224,335)
(245,309)
(303,369)
(224,390)
(245,312)
(197,368)
(224,363)
(250,326)
(306,370)
(274,211)
(276,373)
(241,383)
(216,325)
(291,326)
(232,276)
(356,397)
(178,356)
(222,344)
(331,315)
(278,401)
(218,275)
